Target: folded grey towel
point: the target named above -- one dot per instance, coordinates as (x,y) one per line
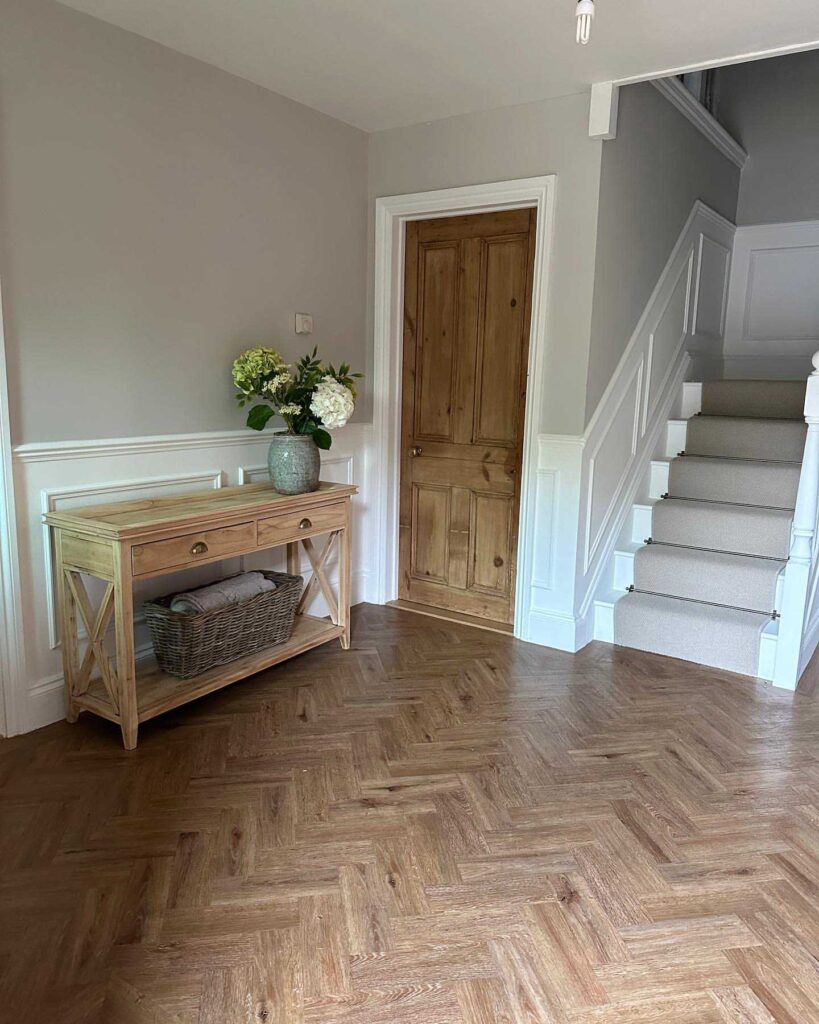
(219,595)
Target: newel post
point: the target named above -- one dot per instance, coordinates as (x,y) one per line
(803,542)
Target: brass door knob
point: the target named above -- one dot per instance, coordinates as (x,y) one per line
(416,450)
(305,524)
(199,548)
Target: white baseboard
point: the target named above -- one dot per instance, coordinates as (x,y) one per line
(552,629)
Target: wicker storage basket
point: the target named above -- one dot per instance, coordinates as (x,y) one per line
(187,645)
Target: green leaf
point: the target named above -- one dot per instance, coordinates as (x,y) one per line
(258,416)
(322,439)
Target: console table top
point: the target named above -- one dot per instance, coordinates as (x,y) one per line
(125,519)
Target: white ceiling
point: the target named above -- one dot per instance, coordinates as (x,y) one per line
(383,63)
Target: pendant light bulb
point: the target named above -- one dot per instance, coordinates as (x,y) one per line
(585,16)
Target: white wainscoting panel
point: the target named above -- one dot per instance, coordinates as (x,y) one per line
(666,339)
(710,302)
(70,474)
(587,484)
(609,461)
(773,302)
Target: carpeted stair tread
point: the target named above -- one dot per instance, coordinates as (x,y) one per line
(739,581)
(776,440)
(721,637)
(739,481)
(768,399)
(722,527)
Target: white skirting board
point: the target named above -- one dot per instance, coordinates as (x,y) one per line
(70,474)
(587,484)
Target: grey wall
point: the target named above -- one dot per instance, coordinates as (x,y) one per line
(519,142)
(651,174)
(157,215)
(771,107)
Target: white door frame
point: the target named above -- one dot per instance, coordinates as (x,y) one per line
(391,216)
(11,632)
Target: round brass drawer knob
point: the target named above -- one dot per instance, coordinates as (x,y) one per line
(199,548)
(305,524)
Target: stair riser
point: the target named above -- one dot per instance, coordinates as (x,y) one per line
(658,478)
(777,441)
(623,569)
(767,484)
(641,520)
(675,437)
(751,586)
(772,399)
(718,529)
(679,629)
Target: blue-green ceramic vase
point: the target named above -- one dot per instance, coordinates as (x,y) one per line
(294,463)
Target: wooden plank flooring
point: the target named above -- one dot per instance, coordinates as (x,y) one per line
(440,826)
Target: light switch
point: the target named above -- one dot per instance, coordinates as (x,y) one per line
(304,323)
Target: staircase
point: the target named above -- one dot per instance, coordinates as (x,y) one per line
(700,577)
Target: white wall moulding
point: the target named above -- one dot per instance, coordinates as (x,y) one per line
(587,484)
(675,92)
(94,449)
(773,301)
(84,472)
(391,215)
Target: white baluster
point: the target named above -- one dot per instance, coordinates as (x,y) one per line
(800,569)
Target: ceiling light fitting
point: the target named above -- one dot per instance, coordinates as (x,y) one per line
(585,15)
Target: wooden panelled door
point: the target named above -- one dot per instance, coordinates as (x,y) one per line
(467,307)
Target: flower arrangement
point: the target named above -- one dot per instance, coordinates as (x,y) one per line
(311,397)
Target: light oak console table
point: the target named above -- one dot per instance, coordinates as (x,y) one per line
(129,541)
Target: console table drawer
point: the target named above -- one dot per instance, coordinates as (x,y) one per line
(285,528)
(192,548)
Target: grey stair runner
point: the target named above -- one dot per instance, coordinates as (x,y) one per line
(759,399)
(721,527)
(689,630)
(741,481)
(705,588)
(742,581)
(745,438)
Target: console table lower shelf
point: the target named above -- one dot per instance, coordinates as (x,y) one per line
(158,692)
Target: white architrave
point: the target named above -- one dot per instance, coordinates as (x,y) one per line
(391,216)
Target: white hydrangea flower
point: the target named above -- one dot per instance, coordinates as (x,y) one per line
(278,382)
(332,403)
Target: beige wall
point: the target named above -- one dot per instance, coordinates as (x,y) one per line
(772,108)
(156,215)
(651,174)
(519,142)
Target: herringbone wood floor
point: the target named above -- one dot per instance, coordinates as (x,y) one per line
(440,825)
